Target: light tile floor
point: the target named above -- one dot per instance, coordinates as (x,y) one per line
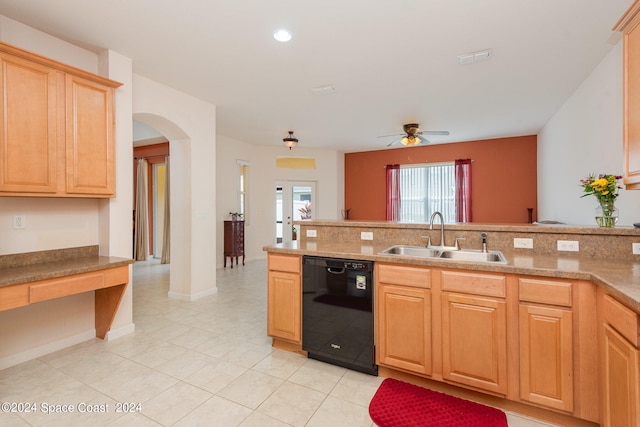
(202,363)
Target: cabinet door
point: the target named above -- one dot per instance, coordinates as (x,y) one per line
(621,388)
(90,139)
(474,343)
(628,24)
(404,328)
(28,135)
(284,306)
(546,356)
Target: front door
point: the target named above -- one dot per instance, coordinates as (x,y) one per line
(295,200)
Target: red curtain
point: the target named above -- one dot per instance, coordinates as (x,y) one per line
(393,193)
(463,190)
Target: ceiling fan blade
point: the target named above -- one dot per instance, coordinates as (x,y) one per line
(423,140)
(393,134)
(434,132)
(394,141)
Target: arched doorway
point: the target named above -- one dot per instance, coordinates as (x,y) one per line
(151,154)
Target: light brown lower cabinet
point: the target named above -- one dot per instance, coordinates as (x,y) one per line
(546,356)
(621,380)
(546,342)
(474,329)
(403,313)
(404,337)
(474,342)
(284,297)
(620,389)
(529,339)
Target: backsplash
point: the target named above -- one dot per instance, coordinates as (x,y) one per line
(29,258)
(592,241)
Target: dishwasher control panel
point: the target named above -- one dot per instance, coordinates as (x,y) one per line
(354,265)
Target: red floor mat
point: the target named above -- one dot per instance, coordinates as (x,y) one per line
(399,404)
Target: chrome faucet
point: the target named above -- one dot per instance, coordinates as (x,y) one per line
(484,242)
(436,213)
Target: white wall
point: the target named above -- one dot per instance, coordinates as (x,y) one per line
(260,228)
(583,137)
(189,124)
(64,223)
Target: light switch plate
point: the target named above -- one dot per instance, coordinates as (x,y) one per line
(635,247)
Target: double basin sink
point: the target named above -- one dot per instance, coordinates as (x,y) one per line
(451,254)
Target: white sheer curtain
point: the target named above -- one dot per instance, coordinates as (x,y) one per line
(166,239)
(141,247)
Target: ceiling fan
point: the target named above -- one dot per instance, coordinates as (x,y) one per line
(413,135)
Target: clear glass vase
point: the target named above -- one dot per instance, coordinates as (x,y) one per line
(606,213)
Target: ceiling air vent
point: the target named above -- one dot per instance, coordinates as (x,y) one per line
(470,58)
(323,90)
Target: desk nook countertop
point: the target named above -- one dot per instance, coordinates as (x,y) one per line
(34,277)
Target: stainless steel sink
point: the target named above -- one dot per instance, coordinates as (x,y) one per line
(416,251)
(474,256)
(455,255)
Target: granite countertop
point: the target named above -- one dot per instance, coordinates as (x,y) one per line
(621,278)
(33,266)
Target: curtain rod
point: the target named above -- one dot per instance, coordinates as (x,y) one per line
(418,164)
(148,157)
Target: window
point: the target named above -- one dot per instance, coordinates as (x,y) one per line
(425,189)
(243,189)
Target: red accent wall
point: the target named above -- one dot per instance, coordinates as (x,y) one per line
(504,177)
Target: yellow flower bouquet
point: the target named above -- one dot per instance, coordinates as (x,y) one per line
(605,188)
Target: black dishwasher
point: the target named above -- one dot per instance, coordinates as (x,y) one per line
(337,312)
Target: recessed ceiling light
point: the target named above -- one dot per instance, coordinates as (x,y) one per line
(282,35)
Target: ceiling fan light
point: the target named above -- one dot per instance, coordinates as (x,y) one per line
(410,140)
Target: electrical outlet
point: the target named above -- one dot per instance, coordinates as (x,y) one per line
(519,242)
(366,235)
(635,247)
(312,233)
(568,245)
(19,222)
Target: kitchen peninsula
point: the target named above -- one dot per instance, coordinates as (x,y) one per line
(531,332)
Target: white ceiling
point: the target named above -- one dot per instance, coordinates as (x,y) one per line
(390,61)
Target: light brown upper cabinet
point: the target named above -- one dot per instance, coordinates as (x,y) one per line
(57,135)
(628,25)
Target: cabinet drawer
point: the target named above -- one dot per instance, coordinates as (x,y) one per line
(116,276)
(14,296)
(404,275)
(545,291)
(622,319)
(492,285)
(291,263)
(57,288)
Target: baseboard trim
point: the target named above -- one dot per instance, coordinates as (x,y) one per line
(120,332)
(193,297)
(34,353)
